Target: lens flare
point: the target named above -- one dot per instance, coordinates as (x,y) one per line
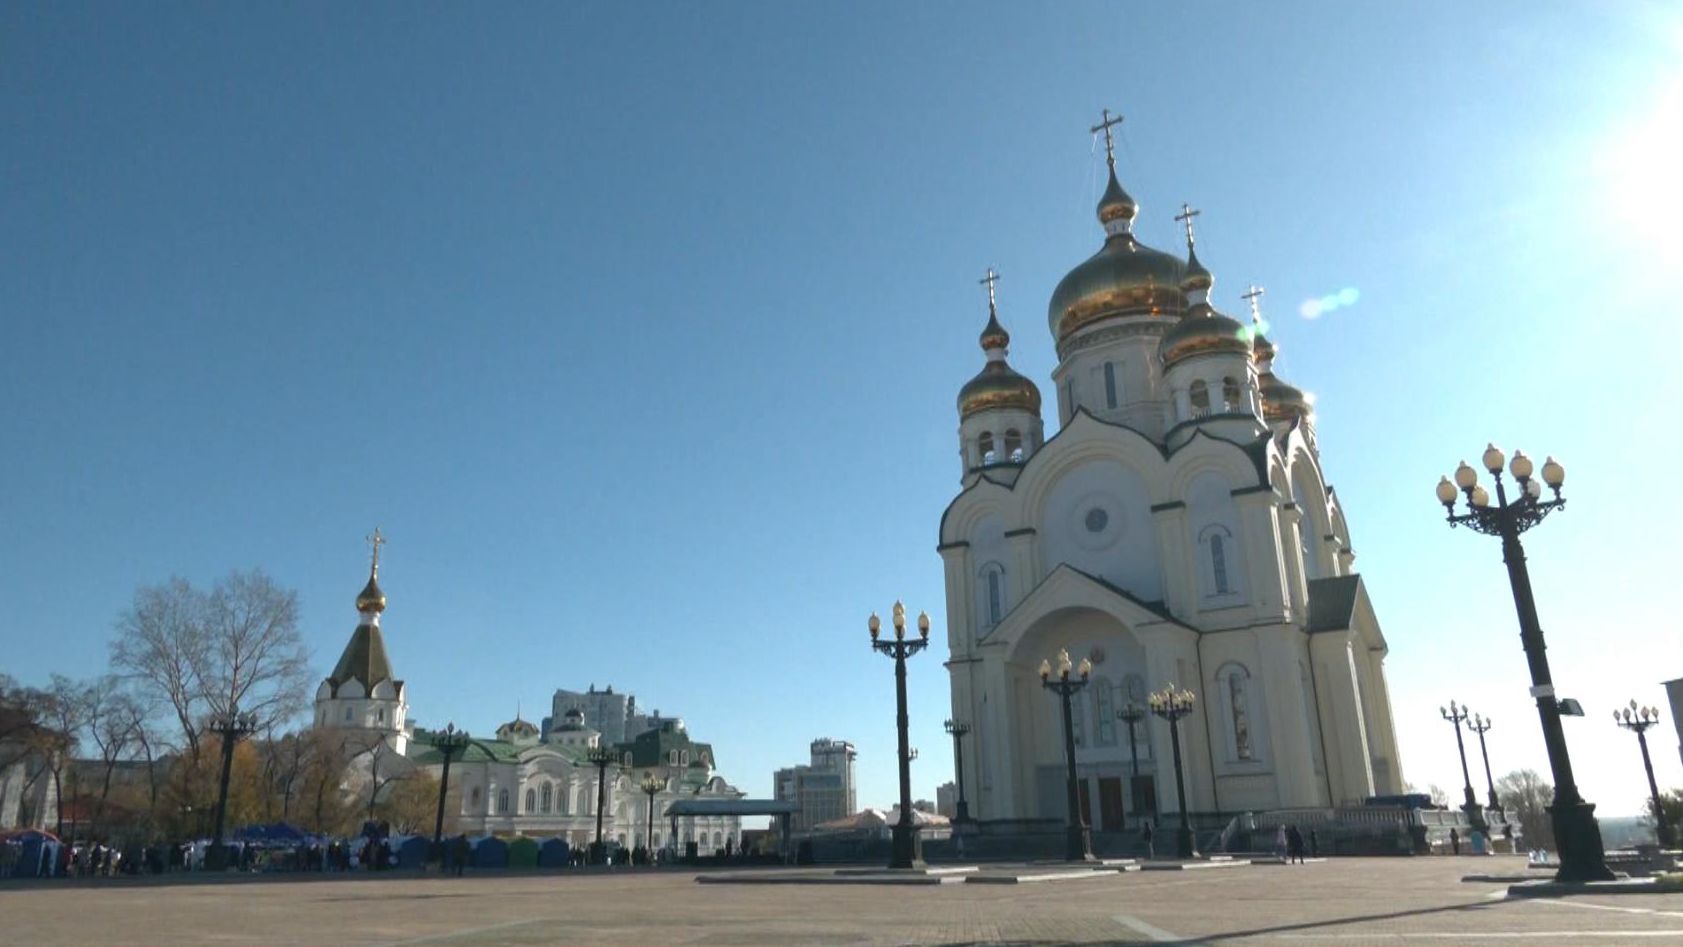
(1319,306)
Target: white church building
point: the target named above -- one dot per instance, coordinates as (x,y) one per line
(526,779)
(1179,529)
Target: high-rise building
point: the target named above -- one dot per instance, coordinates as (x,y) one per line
(824,789)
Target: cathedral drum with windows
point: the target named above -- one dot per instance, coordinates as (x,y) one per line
(1177,529)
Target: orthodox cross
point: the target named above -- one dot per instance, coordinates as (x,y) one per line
(1187,212)
(1109,142)
(376,541)
(1251,296)
(988,281)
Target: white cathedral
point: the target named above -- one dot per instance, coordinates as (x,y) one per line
(530,780)
(1177,529)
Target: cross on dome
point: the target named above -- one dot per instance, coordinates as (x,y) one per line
(1252,296)
(1187,212)
(375,541)
(1108,121)
(988,281)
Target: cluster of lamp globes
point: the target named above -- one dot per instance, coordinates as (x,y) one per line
(899,614)
(1466,478)
(1170,699)
(1064,667)
(1634,716)
(245,722)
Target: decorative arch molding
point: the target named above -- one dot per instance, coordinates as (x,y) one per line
(1068,588)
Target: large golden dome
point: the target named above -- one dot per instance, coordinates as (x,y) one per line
(1204,331)
(1125,277)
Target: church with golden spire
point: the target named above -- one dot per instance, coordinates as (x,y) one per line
(1177,529)
(362,695)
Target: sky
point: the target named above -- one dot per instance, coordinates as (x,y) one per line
(637,327)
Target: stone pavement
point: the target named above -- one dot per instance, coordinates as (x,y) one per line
(1340,901)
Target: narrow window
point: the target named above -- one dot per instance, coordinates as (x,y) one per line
(531,801)
(382,715)
(1069,397)
(1109,384)
(1238,705)
(548,796)
(1106,713)
(1218,560)
(1200,398)
(475,798)
(502,801)
(1013,446)
(984,444)
(347,713)
(996,597)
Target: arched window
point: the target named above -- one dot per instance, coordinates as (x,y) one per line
(475,798)
(1200,398)
(993,590)
(1104,705)
(718,840)
(656,840)
(671,757)
(381,716)
(1218,562)
(627,759)
(347,713)
(984,445)
(1230,395)
(531,801)
(684,758)
(548,796)
(502,801)
(1110,384)
(1238,701)
(1013,446)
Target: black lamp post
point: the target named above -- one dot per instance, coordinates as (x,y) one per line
(1078,841)
(908,847)
(958,730)
(1637,720)
(1582,857)
(1457,715)
(1481,726)
(1131,714)
(651,786)
(232,727)
(1172,705)
(600,757)
(451,742)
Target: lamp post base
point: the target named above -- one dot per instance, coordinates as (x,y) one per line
(1578,837)
(1078,844)
(1185,847)
(908,848)
(963,813)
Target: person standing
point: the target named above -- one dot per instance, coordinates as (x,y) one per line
(1294,845)
(1146,834)
(1455,841)
(1280,841)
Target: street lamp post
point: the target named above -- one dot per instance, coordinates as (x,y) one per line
(1131,714)
(1481,726)
(1637,720)
(651,786)
(1172,705)
(1457,715)
(1581,854)
(232,727)
(600,757)
(450,743)
(958,730)
(1078,841)
(908,846)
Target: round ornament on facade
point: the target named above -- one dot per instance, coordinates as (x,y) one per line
(1097,521)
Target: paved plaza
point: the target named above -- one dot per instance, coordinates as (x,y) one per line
(1343,901)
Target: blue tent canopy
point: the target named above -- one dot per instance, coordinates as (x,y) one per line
(553,853)
(490,852)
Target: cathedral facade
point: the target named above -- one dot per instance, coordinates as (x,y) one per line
(1178,529)
(526,779)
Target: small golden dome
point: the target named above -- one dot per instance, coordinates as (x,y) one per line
(1282,401)
(1115,204)
(371,599)
(1196,278)
(997,386)
(1261,349)
(1204,331)
(994,335)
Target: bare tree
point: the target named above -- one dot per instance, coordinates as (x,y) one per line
(255,661)
(112,719)
(1526,796)
(60,711)
(160,644)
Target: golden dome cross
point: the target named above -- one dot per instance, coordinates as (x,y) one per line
(1252,296)
(1187,212)
(376,541)
(988,281)
(1109,142)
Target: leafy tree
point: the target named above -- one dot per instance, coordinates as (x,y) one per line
(1672,805)
(1526,796)
(410,803)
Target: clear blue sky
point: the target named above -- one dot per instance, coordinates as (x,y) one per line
(638,328)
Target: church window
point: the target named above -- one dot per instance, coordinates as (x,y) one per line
(502,801)
(475,799)
(1105,705)
(1236,687)
(1218,561)
(984,445)
(1230,394)
(531,800)
(1013,446)
(1200,393)
(1110,384)
(684,758)
(381,716)
(548,797)
(994,576)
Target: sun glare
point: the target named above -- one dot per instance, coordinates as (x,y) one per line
(1642,171)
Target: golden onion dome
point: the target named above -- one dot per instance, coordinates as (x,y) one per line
(994,335)
(371,599)
(1196,277)
(1281,401)
(1204,331)
(1261,349)
(997,386)
(1125,277)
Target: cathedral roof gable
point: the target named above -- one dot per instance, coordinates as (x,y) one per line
(1340,603)
(1065,587)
